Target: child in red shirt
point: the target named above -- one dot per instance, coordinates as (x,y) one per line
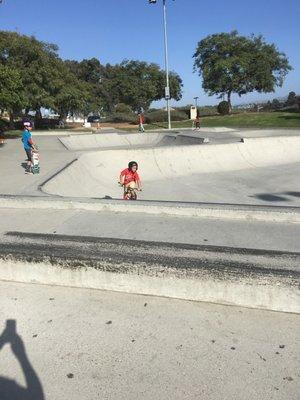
(129,178)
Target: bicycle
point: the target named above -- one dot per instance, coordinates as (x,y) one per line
(130,193)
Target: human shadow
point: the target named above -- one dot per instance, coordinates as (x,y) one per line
(10,389)
(269,197)
(293,194)
(24,165)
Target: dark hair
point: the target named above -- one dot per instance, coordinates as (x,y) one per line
(131,164)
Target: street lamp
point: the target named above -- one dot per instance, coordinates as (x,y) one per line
(167,88)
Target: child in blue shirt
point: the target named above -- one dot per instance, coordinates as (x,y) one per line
(28,145)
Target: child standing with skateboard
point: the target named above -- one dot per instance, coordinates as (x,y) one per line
(28,145)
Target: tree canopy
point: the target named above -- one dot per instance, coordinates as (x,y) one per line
(32,76)
(12,96)
(132,82)
(231,63)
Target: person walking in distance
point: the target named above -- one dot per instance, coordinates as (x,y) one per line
(141,122)
(197,121)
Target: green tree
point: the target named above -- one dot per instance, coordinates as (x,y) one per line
(276,104)
(12,96)
(292,99)
(135,83)
(37,64)
(223,108)
(90,72)
(123,109)
(72,95)
(230,63)
(47,80)
(142,83)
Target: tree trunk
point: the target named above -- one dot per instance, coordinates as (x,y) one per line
(38,114)
(11,120)
(229,101)
(63,115)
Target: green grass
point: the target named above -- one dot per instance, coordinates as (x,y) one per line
(12,134)
(243,120)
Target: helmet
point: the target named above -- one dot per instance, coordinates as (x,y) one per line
(27,124)
(132,164)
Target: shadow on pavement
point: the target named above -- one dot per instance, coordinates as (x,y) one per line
(24,165)
(282,196)
(10,389)
(269,197)
(293,194)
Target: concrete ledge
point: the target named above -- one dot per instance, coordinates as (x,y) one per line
(194,210)
(241,277)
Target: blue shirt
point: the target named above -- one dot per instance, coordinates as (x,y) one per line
(26,136)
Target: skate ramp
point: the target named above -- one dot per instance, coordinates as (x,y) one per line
(136,140)
(181,140)
(111,141)
(164,169)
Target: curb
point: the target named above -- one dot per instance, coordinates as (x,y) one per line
(240,277)
(193,210)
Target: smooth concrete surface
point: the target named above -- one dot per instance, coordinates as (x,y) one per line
(110,141)
(193,210)
(162,228)
(272,185)
(184,169)
(181,169)
(86,344)
(98,140)
(53,157)
(249,278)
(135,140)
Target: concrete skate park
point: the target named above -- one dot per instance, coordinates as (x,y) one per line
(217,220)
(190,292)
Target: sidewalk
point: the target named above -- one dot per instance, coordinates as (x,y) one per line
(88,344)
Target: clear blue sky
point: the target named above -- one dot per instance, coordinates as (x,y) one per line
(113,30)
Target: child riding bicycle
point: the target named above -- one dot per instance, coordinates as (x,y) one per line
(130,180)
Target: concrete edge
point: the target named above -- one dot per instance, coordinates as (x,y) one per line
(49,238)
(193,210)
(143,269)
(40,186)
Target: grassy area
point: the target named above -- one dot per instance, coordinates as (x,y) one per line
(11,134)
(244,120)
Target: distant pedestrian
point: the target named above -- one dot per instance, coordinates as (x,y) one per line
(197,121)
(28,145)
(141,122)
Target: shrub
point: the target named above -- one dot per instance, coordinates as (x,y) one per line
(223,108)
(204,111)
(123,108)
(162,116)
(122,117)
(3,125)
(186,110)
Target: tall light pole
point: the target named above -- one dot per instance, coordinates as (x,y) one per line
(167,88)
